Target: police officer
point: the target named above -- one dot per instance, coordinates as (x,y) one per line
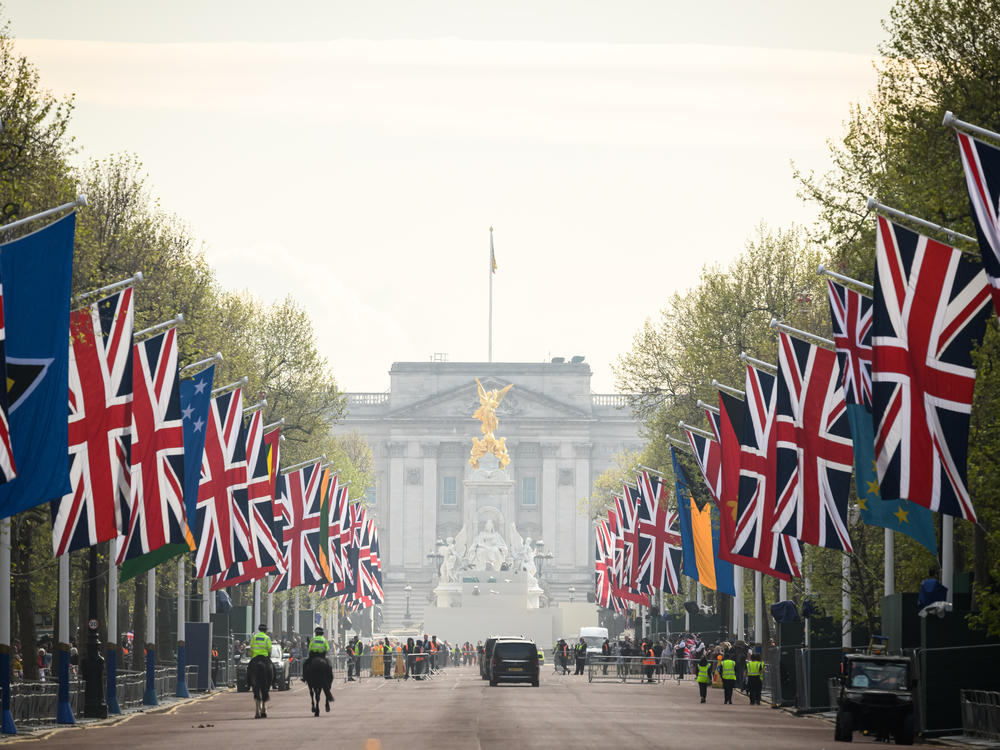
(387,659)
(260,650)
(728,677)
(704,677)
(755,669)
(317,647)
(580,654)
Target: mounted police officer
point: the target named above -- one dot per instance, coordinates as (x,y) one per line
(317,647)
(260,651)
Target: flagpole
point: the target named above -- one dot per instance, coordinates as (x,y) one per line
(256,603)
(64,712)
(950,121)
(739,608)
(78,202)
(112,646)
(894,213)
(947,553)
(845,602)
(890,562)
(182,688)
(758,608)
(269,606)
(149,697)
(8,726)
(491,297)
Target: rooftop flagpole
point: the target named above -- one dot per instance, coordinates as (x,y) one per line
(493,268)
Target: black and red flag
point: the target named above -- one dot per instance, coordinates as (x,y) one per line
(931,308)
(100,425)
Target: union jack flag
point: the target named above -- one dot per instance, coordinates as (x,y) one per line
(266,555)
(619,589)
(222,526)
(7,469)
(604,583)
(339,543)
(708,456)
(300,508)
(157,498)
(982,176)
(851,314)
(374,563)
(774,554)
(815,452)
(100,425)
(931,306)
(626,510)
(658,534)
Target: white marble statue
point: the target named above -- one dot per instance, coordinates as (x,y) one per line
(487,549)
(449,562)
(523,553)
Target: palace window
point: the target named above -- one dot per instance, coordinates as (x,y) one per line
(528,494)
(450,494)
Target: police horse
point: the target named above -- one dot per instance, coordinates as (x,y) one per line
(259,675)
(319,678)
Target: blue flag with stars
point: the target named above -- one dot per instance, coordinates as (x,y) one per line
(196,394)
(36,272)
(902,516)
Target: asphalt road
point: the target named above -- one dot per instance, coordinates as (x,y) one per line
(459,710)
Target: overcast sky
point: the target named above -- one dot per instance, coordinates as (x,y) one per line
(354,155)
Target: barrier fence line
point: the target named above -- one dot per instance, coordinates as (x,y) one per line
(981,714)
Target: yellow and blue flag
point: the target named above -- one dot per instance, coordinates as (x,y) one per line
(700,538)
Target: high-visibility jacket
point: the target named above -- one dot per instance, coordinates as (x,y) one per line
(728,669)
(650,659)
(754,668)
(703,671)
(318,645)
(260,644)
(359,648)
(434,647)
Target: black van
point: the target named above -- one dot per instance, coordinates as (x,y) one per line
(514,661)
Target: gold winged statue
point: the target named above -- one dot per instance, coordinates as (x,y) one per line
(487,416)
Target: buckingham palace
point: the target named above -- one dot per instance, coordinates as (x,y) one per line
(559,435)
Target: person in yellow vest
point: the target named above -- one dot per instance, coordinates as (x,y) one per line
(728,677)
(755,672)
(260,651)
(704,677)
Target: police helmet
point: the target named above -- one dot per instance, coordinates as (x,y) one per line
(318,631)
(262,628)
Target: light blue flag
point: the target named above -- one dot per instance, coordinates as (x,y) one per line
(36,271)
(902,516)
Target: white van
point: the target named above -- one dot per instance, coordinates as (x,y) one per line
(594,638)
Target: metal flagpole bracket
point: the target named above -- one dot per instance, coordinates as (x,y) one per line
(649,469)
(758,363)
(136,278)
(703,405)
(679,443)
(202,364)
(301,464)
(696,430)
(893,213)
(824,271)
(804,335)
(269,427)
(79,202)
(728,389)
(950,121)
(231,387)
(256,407)
(147,332)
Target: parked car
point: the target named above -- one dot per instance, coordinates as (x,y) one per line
(876,695)
(514,660)
(280,660)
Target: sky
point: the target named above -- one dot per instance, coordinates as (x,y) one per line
(355,155)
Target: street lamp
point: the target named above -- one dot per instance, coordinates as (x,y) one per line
(540,556)
(407,617)
(572,590)
(435,556)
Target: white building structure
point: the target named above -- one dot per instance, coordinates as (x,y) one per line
(560,437)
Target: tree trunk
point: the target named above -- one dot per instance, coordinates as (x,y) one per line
(981,563)
(24,599)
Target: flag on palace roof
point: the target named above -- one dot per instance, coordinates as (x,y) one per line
(100,425)
(36,270)
(931,308)
(814,450)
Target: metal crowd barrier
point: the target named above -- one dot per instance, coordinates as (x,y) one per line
(981,714)
(622,669)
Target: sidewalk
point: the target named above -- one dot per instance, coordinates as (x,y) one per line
(168,704)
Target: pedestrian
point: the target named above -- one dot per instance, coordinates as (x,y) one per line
(563,655)
(580,653)
(605,655)
(728,677)
(755,670)
(387,659)
(648,660)
(704,677)
(679,659)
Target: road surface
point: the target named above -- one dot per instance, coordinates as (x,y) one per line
(459,710)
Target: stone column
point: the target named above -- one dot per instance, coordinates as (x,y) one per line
(395,486)
(548,498)
(583,544)
(429,513)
